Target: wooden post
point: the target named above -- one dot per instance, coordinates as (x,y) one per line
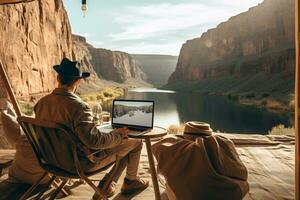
(152,169)
(297,74)
(10,92)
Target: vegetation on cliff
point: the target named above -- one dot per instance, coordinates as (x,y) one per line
(251,56)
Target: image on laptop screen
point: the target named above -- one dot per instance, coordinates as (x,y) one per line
(133,113)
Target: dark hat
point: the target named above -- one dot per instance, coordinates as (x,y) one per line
(70,69)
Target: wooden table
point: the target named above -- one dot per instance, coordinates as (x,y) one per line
(155,133)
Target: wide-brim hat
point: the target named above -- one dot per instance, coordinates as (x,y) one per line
(71,69)
(197,128)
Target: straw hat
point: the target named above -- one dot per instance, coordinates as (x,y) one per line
(197,129)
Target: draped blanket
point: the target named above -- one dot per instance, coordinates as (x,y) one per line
(208,168)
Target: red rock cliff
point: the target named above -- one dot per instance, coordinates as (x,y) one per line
(109,65)
(33,37)
(257,42)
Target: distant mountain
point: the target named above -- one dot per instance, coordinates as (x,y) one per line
(251,54)
(158,68)
(109,65)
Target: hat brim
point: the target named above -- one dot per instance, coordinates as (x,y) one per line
(83,74)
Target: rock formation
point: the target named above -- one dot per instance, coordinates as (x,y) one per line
(82,54)
(33,37)
(152,64)
(110,65)
(253,47)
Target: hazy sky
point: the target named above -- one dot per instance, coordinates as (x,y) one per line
(150,26)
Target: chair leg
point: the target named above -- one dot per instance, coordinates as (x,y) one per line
(55,193)
(46,187)
(97,190)
(31,189)
(63,190)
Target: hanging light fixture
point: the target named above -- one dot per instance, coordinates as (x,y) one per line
(84,7)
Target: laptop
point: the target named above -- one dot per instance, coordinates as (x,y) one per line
(136,115)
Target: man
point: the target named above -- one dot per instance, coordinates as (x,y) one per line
(65,107)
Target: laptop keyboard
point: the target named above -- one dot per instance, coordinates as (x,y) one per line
(133,132)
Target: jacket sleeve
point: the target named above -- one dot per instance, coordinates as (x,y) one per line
(88,132)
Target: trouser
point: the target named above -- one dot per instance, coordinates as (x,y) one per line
(129,153)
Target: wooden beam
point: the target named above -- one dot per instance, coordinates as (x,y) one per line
(9,89)
(3,2)
(297,93)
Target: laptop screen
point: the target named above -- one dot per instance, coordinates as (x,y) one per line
(134,113)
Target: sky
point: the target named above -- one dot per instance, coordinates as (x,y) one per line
(150,26)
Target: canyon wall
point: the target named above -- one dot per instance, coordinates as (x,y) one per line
(109,65)
(243,54)
(158,68)
(82,54)
(33,37)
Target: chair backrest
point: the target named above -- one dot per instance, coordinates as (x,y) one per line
(51,142)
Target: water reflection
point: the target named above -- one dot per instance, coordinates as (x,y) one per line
(223,114)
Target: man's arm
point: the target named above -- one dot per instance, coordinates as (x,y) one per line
(88,133)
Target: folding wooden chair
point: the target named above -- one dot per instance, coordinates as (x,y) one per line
(55,148)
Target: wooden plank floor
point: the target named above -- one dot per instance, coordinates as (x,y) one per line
(271,174)
(14,191)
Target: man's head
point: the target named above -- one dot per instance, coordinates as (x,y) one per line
(69,73)
(68,81)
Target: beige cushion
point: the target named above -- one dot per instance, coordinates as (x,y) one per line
(25,167)
(12,130)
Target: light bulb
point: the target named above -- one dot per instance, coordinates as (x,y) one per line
(84,9)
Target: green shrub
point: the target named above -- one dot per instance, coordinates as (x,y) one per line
(250,96)
(100,97)
(106,94)
(265,95)
(92,98)
(233,97)
(281,130)
(264,103)
(26,108)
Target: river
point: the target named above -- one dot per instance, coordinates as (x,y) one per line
(222,114)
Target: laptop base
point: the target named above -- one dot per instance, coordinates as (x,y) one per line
(134,131)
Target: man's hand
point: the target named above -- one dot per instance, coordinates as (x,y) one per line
(122,131)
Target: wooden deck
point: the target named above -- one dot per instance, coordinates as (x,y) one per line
(83,191)
(270,162)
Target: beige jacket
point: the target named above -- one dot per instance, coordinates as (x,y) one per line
(64,107)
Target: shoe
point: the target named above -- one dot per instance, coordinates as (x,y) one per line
(134,186)
(108,192)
